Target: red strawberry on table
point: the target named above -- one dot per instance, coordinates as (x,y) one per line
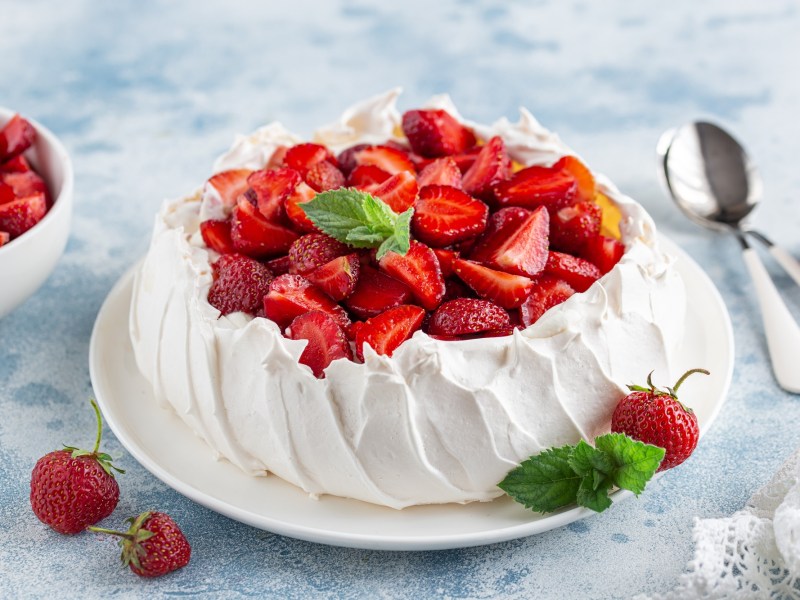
(444,215)
(657,417)
(326,340)
(419,270)
(465,316)
(153,546)
(505,289)
(434,133)
(546,293)
(386,331)
(491,166)
(72,489)
(240,284)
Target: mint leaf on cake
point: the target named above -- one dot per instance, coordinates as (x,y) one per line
(360,220)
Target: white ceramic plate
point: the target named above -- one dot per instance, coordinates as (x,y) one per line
(165,446)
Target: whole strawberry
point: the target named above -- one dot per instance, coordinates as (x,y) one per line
(72,489)
(153,546)
(657,417)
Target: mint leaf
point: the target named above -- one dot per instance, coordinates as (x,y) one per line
(593,492)
(634,462)
(586,460)
(544,482)
(360,220)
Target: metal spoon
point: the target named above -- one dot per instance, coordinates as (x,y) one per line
(714,183)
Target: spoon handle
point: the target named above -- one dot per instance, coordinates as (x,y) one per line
(789,263)
(780,328)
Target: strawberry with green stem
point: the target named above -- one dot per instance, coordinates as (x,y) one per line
(657,417)
(154,545)
(73,488)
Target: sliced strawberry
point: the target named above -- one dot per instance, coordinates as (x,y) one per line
(577,272)
(5,237)
(538,186)
(304,156)
(18,164)
(228,186)
(444,215)
(442,171)
(572,226)
(347,158)
(434,133)
(15,137)
(604,252)
(302,193)
(326,340)
(338,277)
(6,192)
(386,158)
(517,243)
(376,292)
(455,288)
(464,316)
(276,160)
(505,289)
(500,226)
(586,183)
(386,331)
(547,292)
(446,259)
(325,176)
(490,168)
(239,284)
(279,266)
(217,235)
(367,177)
(466,159)
(24,183)
(290,296)
(271,189)
(254,236)
(398,191)
(314,250)
(418,269)
(18,216)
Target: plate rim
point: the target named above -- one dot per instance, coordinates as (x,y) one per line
(378,541)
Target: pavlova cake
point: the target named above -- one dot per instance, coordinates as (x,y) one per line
(404,308)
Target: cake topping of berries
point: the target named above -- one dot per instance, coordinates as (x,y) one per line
(440,222)
(72,488)
(326,340)
(657,417)
(154,545)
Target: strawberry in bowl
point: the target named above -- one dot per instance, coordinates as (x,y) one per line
(35,206)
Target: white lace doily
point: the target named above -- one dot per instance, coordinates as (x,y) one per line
(754,553)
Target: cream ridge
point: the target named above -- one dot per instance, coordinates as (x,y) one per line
(438,422)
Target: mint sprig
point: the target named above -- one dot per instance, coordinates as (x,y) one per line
(583,474)
(360,220)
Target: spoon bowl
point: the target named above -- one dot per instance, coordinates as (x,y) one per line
(708,173)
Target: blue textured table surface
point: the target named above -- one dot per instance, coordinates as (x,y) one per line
(146,95)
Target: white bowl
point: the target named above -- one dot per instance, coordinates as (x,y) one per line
(28,260)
